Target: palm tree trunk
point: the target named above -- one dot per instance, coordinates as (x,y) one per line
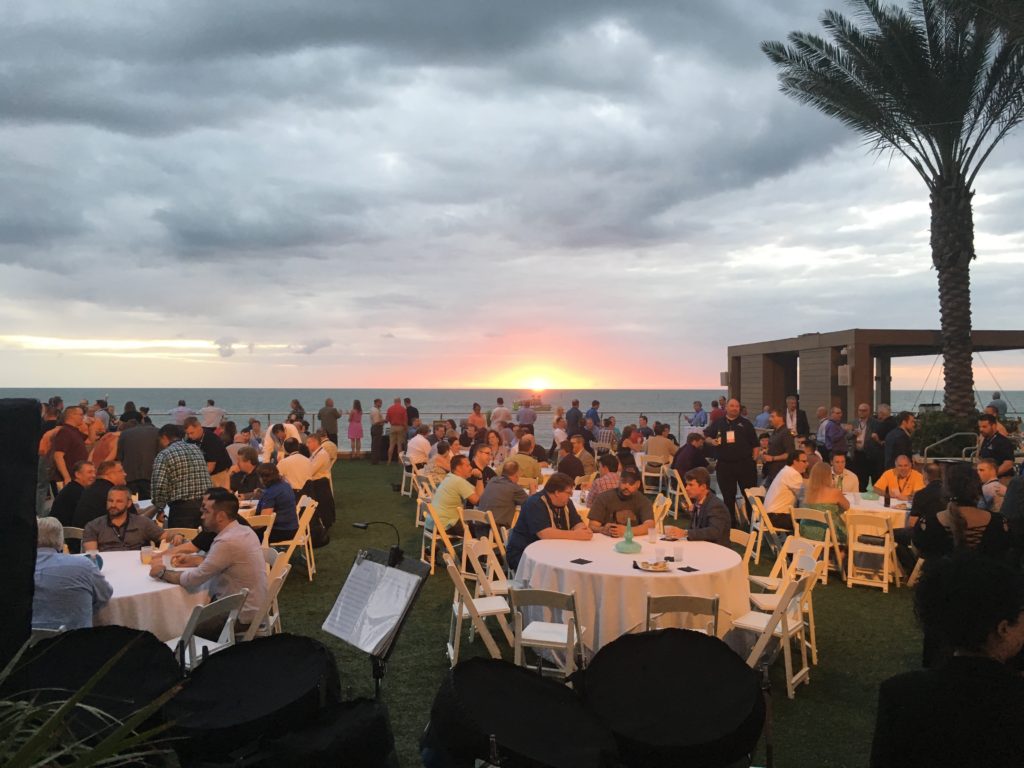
(952,240)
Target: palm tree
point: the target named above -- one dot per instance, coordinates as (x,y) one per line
(939,83)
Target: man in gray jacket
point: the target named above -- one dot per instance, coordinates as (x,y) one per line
(711,519)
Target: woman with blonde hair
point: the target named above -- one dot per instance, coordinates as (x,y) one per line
(822,495)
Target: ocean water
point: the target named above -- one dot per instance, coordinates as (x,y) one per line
(273,404)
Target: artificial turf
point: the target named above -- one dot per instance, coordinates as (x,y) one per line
(864,636)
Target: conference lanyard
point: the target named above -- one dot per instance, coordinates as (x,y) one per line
(551,514)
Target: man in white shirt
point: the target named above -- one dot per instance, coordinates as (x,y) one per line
(500,412)
(294,467)
(560,433)
(418,448)
(843,478)
(180,413)
(211,416)
(785,491)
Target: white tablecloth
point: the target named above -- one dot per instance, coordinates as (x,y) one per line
(144,603)
(897,516)
(611,596)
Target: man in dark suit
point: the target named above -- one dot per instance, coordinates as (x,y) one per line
(136,449)
(83,475)
(711,518)
(868,453)
(897,442)
(796,418)
(93,501)
(573,419)
(972,605)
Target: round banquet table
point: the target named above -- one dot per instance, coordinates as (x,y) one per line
(611,595)
(140,602)
(897,515)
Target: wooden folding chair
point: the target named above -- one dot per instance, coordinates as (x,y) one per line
(870,536)
(306,509)
(433,533)
(475,609)
(266,522)
(783,568)
(761,525)
(267,620)
(803,565)
(677,492)
(692,605)
(186,533)
(652,477)
(746,541)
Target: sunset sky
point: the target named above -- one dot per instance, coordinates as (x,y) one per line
(445,194)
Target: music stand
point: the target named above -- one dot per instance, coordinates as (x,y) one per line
(374,603)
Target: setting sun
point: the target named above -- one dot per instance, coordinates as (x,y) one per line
(538,378)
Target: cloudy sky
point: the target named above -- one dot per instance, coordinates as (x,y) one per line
(445,193)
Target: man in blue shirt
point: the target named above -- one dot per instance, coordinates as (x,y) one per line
(549,514)
(763,420)
(68,588)
(700,416)
(573,419)
(592,412)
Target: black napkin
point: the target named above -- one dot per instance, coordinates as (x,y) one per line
(669,538)
(687,568)
(581,561)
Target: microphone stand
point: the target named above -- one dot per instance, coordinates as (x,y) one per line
(395,553)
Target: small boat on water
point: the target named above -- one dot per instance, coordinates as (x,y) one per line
(534,402)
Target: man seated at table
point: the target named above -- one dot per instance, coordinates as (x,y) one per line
(63,508)
(294,467)
(902,481)
(93,501)
(579,450)
(842,478)
(711,518)
(659,444)
(785,491)
(568,463)
(607,477)
(503,494)
(691,455)
(244,479)
(279,498)
(528,466)
(480,456)
(121,529)
(612,509)
(68,588)
(463,484)
(549,514)
(233,562)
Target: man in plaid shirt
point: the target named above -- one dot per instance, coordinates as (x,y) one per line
(180,478)
(607,476)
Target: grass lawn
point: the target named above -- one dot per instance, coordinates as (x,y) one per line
(864,636)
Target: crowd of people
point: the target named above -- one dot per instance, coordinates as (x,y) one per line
(128,484)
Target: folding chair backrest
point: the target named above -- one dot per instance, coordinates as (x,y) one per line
(661,505)
(264,612)
(496,537)
(680,488)
(788,606)
(745,540)
(543,598)
(228,607)
(860,524)
(484,563)
(691,604)
(813,515)
(439,531)
(266,522)
(186,533)
(72,534)
(760,518)
(757,490)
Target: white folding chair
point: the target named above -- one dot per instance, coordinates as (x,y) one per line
(42,633)
(476,609)
(564,636)
(652,471)
(803,565)
(677,492)
(306,510)
(407,473)
(692,605)
(871,537)
(746,541)
(267,620)
(783,569)
(915,575)
(831,541)
(186,533)
(660,509)
(784,624)
(189,648)
(760,524)
(424,494)
(266,522)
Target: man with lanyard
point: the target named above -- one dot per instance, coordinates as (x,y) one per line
(902,481)
(796,419)
(376,431)
(780,445)
(549,514)
(994,446)
(868,453)
(737,444)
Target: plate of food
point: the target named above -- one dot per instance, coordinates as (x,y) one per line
(659,566)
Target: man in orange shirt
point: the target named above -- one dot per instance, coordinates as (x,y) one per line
(398,418)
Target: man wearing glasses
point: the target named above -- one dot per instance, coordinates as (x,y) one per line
(785,490)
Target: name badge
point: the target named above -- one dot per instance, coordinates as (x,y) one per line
(730,436)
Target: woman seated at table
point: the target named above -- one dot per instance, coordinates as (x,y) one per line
(279,498)
(961,525)
(821,495)
(549,514)
(499,453)
(632,441)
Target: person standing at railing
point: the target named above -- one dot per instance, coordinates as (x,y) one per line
(355,429)
(329,416)
(376,431)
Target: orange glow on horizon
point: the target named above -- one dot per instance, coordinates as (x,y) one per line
(537,377)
